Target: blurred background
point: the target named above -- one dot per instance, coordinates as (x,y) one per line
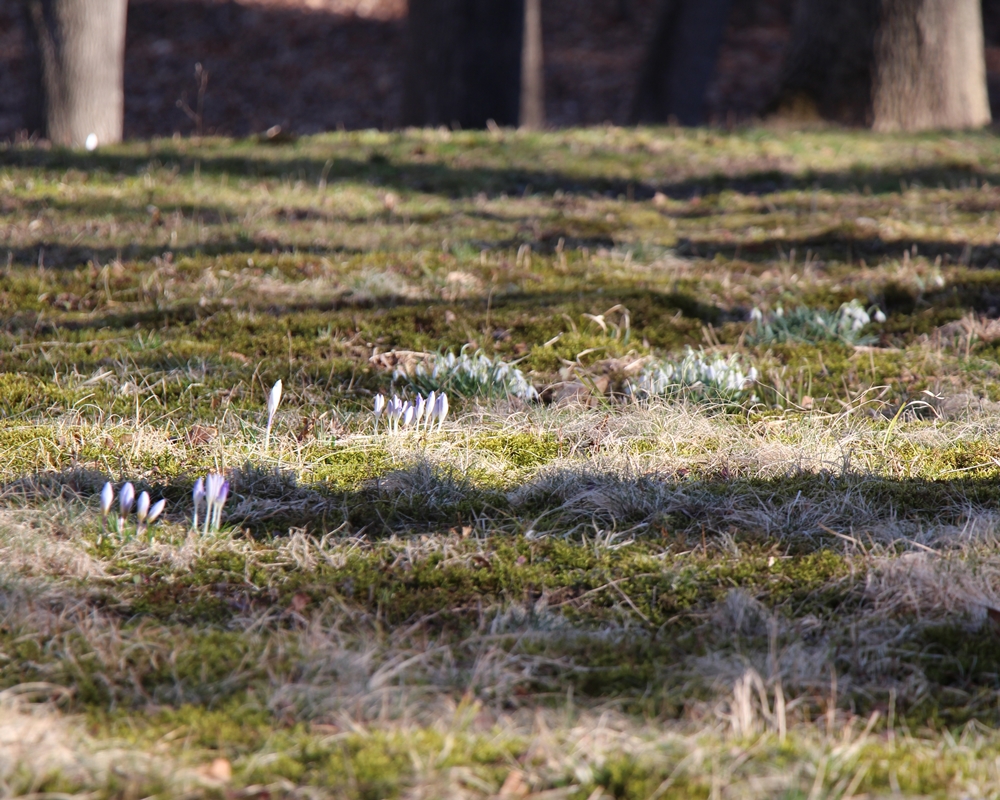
(318,65)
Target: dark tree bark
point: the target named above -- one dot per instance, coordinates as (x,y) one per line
(80,46)
(828,65)
(892,64)
(930,66)
(463,62)
(532,72)
(680,61)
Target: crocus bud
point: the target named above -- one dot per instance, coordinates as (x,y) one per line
(107,498)
(441,409)
(126,499)
(142,507)
(155,511)
(429,407)
(379,405)
(273,399)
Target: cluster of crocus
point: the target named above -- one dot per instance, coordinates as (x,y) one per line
(145,513)
(213,490)
(421,413)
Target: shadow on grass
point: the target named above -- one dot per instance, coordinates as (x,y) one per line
(467,181)
(371,493)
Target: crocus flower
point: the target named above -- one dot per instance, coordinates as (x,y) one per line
(151,516)
(198,495)
(429,408)
(142,507)
(219,503)
(379,408)
(418,410)
(216,492)
(441,409)
(125,500)
(408,412)
(155,511)
(213,485)
(107,498)
(272,406)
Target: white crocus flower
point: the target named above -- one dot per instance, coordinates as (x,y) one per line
(441,409)
(142,507)
(408,412)
(429,408)
(379,408)
(213,487)
(152,515)
(155,511)
(198,495)
(107,499)
(272,406)
(125,500)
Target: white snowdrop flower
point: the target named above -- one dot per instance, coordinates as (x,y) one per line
(756,315)
(91,142)
(879,315)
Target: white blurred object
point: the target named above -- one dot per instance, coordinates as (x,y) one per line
(91,143)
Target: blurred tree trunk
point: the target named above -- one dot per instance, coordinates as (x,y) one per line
(930,66)
(680,61)
(892,64)
(80,48)
(464,62)
(828,64)
(532,71)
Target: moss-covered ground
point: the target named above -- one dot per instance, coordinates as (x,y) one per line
(584,596)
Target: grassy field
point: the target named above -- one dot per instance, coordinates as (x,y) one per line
(785,586)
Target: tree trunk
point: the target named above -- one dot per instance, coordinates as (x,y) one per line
(930,67)
(828,64)
(893,64)
(680,61)
(463,62)
(532,71)
(81,47)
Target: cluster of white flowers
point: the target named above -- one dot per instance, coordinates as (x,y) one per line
(708,376)
(810,325)
(421,413)
(469,376)
(145,514)
(213,490)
